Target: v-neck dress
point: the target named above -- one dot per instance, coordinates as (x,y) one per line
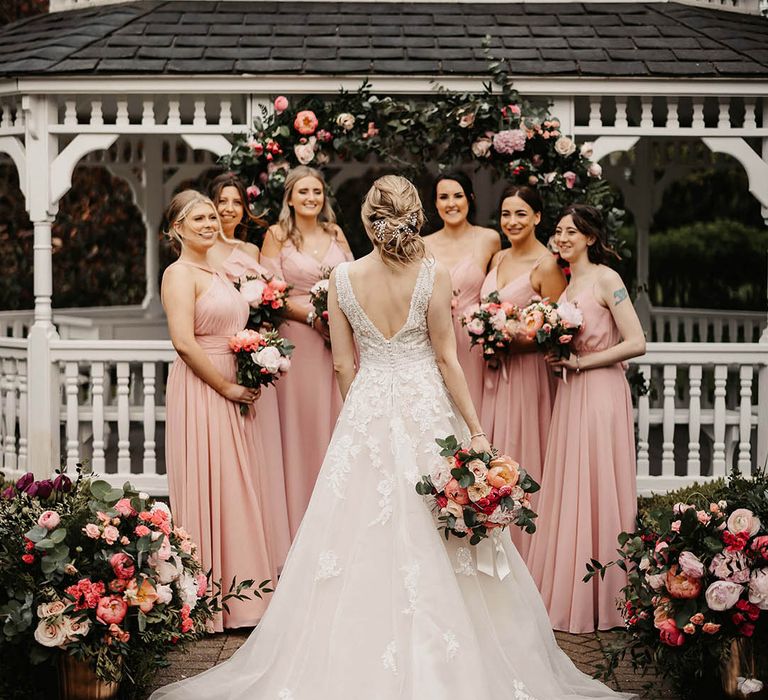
(308,396)
(517,399)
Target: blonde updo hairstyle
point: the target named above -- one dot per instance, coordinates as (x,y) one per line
(287,218)
(393,217)
(180,207)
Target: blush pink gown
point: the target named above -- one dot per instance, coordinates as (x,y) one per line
(308,397)
(467,279)
(212,456)
(589,493)
(267,422)
(517,400)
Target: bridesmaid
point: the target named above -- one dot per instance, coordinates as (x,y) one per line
(589,490)
(518,396)
(305,243)
(466,250)
(210,452)
(237,259)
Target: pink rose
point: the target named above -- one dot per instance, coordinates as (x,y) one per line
(456,493)
(281,104)
(689,629)
(570,179)
(278,284)
(476,327)
(49,519)
(122,565)
(710,628)
(111,534)
(111,610)
(670,634)
(743,520)
(305,122)
(690,565)
(253,192)
(124,507)
(595,170)
(697,619)
(723,595)
(92,531)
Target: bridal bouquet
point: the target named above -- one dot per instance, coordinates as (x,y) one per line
(261,358)
(267,296)
(100,573)
(476,492)
(551,325)
(492,325)
(318,295)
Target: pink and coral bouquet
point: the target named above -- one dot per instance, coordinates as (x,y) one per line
(267,295)
(318,295)
(492,325)
(474,493)
(261,358)
(552,325)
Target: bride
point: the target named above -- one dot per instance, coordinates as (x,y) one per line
(373,604)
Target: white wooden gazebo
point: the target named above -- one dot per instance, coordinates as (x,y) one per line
(657,84)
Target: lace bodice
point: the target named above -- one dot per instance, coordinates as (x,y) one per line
(410,343)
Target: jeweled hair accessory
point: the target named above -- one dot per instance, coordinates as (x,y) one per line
(405,229)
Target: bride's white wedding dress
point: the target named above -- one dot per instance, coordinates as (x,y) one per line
(373,603)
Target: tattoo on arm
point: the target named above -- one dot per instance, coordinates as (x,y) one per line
(619,295)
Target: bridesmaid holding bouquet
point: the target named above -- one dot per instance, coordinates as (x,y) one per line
(240,259)
(465,249)
(589,486)
(518,396)
(302,247)
(211,455)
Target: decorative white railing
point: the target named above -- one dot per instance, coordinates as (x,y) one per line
(707,410)
(705,325)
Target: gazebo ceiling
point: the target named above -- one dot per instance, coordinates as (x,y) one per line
(637,40)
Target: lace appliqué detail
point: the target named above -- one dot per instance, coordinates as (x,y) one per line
(521,692)
(411,583)
(327,566)
(384,489)
(464,564)
(389,658)
(340,459)
(451,645)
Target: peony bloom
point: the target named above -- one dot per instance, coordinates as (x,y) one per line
(253,291)
(111,610)
(187,587)
(532,322)
(723,595)
(565,146)
(730,566)
(503,471)
(50,633)
(509,141)
(743,520)
(690,565)
(268,358)
(305,122)
(570,179)
(456,493)
(143,596)
(346,121)
(758,588)
(682,586)
(49,519)
(281,104)
(670,634)
(123,566)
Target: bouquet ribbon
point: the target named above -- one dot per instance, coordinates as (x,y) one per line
(491,557)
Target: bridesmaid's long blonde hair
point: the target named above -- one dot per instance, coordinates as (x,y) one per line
(287,219)
(393,216)
(180,206)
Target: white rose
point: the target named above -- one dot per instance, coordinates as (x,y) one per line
(168,571)
(319,286)
(478,469)
(50,633)
(441,474)
(285,363)
(164,593)
(478,490)
(453,509)
(565,146)
(517,493)
(587,149)
(305,152)
(595,170)
(253,291)
(345,120)
(268,358)
(743,520)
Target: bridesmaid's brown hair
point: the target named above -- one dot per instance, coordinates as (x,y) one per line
(232,180)
(589,221)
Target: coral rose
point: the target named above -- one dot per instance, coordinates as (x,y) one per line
(710,628)
(111,610)
(124,507)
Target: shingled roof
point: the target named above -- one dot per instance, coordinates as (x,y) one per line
(387,38)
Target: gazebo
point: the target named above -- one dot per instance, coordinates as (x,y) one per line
(139,87)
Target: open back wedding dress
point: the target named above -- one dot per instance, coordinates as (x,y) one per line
(373,603)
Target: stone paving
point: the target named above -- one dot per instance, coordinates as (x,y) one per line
(586,650)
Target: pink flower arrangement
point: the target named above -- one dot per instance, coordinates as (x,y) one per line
(267,296)
(318,295)
(509,141)
(552,325)
(492,325)
(474,493)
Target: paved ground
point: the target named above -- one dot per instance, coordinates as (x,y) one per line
(586,650)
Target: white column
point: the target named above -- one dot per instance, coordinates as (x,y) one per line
(152,204)
(43,402)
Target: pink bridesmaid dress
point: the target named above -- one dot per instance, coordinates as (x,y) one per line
(589,493)
(517,399)
(267,424)
(212,457)
(308,397)
(467,279)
